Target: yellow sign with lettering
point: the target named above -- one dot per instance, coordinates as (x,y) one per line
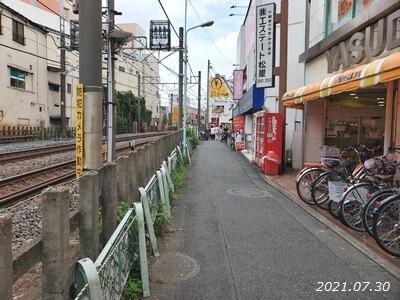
(79,130)
(218,88)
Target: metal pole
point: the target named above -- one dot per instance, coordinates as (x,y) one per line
(62,77)
(206,24)
(110,85)
(184,95)
(138,74)
(283,73)
(90,65)
(208,95)
(170,114)
(198,103)
(180,98)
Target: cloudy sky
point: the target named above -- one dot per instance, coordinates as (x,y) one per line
(216,43)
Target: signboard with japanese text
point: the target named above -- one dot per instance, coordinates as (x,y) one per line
(79,130)
(218,88)
(238,128)
(265,45)
(237,84)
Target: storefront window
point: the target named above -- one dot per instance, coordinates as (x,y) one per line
(342,11)
(350,131)
(372,130)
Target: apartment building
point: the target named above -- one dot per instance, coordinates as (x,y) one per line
(31,40)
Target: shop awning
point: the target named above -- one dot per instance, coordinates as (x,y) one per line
(380,70)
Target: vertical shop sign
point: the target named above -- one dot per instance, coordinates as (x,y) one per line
(238,129)
(272,128)
(237,84)
(79,130)
(265,45)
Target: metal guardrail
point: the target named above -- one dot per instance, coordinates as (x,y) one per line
(106,277)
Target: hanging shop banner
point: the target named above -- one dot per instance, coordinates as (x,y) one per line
(237,84)
(238,128)
(79,130)
(265,45)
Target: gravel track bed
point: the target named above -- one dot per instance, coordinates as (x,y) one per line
(27,215)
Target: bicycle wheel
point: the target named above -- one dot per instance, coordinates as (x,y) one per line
(386,225)
(303,184)
(334,208)
(368,211)
(320,188)
(352,205)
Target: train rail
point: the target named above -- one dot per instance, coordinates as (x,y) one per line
(22,186)
(7,157)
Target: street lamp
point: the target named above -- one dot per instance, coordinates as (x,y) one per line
(185,59)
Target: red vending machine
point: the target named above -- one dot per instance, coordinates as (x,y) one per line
(268,142)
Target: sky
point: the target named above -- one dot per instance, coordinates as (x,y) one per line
(217,43)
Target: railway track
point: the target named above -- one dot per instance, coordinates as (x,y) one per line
(22,186)
(7,157)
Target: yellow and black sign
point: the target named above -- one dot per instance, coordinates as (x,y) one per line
(79,130)
(218,88)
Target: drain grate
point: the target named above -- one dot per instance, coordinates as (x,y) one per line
(248,192)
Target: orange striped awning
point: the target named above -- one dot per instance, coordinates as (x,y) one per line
(380,70)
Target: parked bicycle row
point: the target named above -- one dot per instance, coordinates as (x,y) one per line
(357,186)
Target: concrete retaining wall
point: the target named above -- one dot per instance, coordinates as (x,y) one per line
(100,190)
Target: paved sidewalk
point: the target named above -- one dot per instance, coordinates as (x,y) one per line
(237,234)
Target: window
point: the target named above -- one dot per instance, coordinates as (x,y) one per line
(18,32)
(54,87)
(69,88)
(339,12)
(17,78)
(121,68)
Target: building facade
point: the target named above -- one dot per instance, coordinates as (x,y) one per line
(31,45)
(350,94)
(254,99)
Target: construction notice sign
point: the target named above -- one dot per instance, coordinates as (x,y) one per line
(218,88)
(79,130)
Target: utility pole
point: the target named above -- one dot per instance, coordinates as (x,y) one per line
(138,74)
(170,114)
(180,97)
(208,95)
(90,65)
(198,103)
(283,20)
(62,77)
(110,84)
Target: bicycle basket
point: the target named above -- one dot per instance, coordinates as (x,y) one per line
(336,190)
(328,151)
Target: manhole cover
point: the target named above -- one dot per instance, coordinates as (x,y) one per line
(247,192)
(174,267)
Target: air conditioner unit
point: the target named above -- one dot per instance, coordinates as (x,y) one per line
(75,6)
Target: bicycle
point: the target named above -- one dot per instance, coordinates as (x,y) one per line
(386,225)
(372,202)
(355,198)
(311,171)
(320,189)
